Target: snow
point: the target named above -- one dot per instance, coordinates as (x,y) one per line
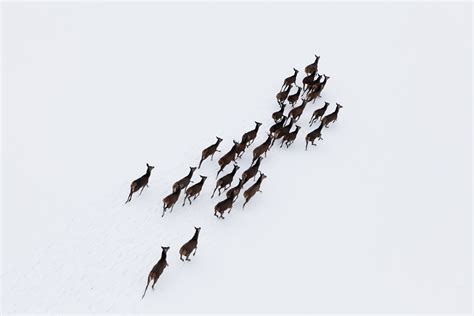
(376,218)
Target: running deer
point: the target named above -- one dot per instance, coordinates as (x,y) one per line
(184,182)
(318,113)
(330,118)
(191,245)
(275,127)
(308,80)
(227,158)
(170,201)
(250,192)
(282,131)
(282,95)
(239,149)
(292,99)
(311,137)
(278,115)
(263,148)
(297,111)
(210,151)
(194,191)
(251,172)
(312,67)
(250,136)
(140,183)
(222,206)
(289,138)
(234,192)
(290,80)
(226,181)
(157,270)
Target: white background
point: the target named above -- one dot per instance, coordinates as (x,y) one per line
(376,218)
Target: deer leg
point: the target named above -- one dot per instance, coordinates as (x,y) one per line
(141,190)
(164,210)
(154,282)
(129,197)
(243,206)
(181,257)
(200,162)
(184,201)
(220,191)
(187,258)
(195,249)
(171,210)
(189,199)
(214,192)
(229,210)
(222,168)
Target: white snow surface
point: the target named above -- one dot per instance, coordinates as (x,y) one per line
(376,218)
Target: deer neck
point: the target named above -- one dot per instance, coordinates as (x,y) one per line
(233,171)
(163,255)
(190,174)
(196,235)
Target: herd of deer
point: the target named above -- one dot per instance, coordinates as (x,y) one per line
(312,86)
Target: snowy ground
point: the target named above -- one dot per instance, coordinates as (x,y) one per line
(376,218)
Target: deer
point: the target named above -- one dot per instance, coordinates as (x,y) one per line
(330,118)
(170,200)
(282,131)
(184,182)
(227,158)
(263,148)
(194,191)
(292,99)
(318,113)
(296,112)
(250,192)
(234,192)
(250,136)
(278,115)
(313,94)
(311,137)
(282,95)
(222,206)
(140,183)
(289,138)
(239,149)
(308,80)
(312,67)
(315,84)
(210,151)
(275,127)
(191,245)
(157,270)
(226,181)
(251,172)
(290,80)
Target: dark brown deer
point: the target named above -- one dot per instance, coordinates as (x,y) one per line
(222,206)
(170,201)
(308,80)
(227,158)
(157,270)
(318,113)
(251,172)
(292,99)
(312,67)
(250,136)
(250,192)
(190,246)
(296,112)
(210,151)
(290,80)
(278,115)
(312,136)
(225,182)
(330,118)
(240,148)
(263,148)
(282,131)
(275,127)
(194,190)
(282,95)
(289,138)
(140,183)
(234,192)
(184,182)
